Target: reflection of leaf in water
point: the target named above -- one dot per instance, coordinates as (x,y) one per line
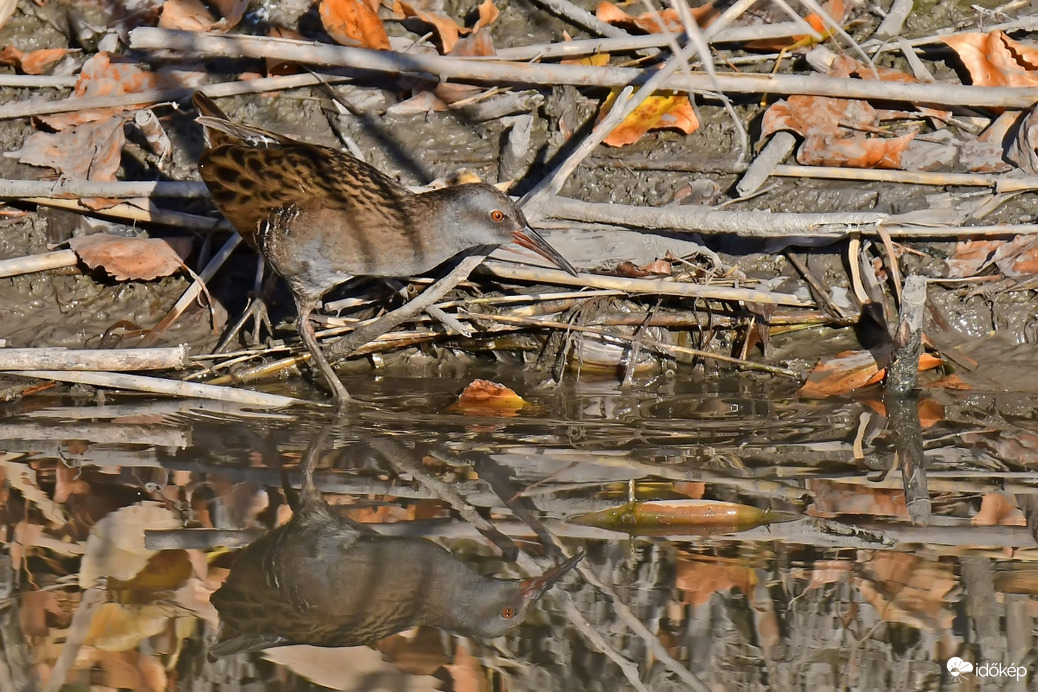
(118,628)
(166,570)
(22,477)
(115,547)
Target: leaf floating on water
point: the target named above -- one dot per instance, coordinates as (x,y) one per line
(692,516)
(486,398)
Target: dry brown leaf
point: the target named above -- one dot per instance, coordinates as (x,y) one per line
(1023,146)
(1017,257)
(89,151)
(833,498)
(650,22)
(167,570)
(843,373)
(33,62)
(118,628)
(7,8)
(186,15)
(833,132)
(422,102)
(488,14)
(970,258)
(353,22)
(994,59)
(833,8)
(231,12)
(844,67)
(910,590)
(131,258)
(479,43)
(115,547)
(661,111)
(132,670)
(486,398)
(997,510)
(699,578)
(106,75)
(446,28)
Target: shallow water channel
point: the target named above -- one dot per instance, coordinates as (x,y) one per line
(122,518)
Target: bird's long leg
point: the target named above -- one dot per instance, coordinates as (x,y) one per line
(306,332)
(256,310)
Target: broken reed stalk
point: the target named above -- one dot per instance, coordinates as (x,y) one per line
(502,72)
(158,385)
(901,398)
(115,359)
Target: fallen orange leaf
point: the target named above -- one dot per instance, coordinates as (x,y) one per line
(833,132)
(997,510)
(186,15)
(90,151)
(654,22)
(353,22)
(132,258)
(835,9)
(665,110)
(33,62)
(994,59)
(446,28)
(488,14)
(843,373)
(486,398)
(106,75)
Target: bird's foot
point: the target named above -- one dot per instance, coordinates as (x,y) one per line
(256,311)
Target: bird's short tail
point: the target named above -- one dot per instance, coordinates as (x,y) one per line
(218,128)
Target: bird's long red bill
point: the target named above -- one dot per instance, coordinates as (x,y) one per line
(534,587)
(532,240)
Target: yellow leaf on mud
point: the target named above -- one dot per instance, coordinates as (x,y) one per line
(662,111)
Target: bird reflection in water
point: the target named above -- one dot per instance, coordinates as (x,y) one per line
(325,580)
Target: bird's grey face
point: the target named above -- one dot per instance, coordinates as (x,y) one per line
(483,215)
(486,214)
(495,617)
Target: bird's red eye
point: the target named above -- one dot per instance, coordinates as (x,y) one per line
(507,613)
(497,215)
